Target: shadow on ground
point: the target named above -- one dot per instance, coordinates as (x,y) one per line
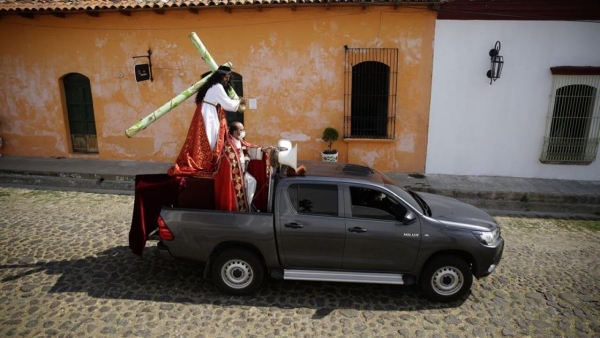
(118,274)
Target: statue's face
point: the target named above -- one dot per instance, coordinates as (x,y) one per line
(226,78)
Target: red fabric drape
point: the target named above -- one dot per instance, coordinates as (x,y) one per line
(196,158)
(152,192)
(260,169)
(155,191)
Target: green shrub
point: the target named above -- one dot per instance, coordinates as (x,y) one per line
(330,135)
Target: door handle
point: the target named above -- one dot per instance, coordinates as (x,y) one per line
(357,230)
(293,225)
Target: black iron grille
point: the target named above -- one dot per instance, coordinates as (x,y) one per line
(370,86)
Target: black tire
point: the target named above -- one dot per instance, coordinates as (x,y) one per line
(237,272)
(446,279)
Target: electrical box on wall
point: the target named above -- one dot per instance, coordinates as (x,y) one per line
(142,72)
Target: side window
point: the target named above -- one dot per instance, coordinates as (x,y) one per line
(374,204)
(314,199)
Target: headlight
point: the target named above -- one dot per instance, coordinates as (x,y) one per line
(487,237)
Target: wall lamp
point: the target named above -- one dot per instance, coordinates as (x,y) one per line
(497,63)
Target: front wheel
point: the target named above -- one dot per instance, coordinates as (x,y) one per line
(237,272)
(446,279)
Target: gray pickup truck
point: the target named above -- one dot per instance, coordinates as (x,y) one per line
(339,223)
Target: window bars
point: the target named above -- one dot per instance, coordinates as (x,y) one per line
(573,123)
(370,87)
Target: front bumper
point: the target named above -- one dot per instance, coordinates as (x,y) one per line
(488,259)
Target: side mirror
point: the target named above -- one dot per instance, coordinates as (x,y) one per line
(409,218)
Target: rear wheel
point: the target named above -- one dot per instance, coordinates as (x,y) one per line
(237,272)
(446,279)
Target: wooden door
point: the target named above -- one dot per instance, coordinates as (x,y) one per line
(80,111)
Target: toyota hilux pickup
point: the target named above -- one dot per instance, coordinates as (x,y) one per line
(338,222)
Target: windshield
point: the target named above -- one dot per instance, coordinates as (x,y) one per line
(422,203)
(406,197)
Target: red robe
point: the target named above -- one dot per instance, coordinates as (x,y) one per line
(195,158)
(230,190)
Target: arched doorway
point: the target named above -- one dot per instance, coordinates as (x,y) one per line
(80,113)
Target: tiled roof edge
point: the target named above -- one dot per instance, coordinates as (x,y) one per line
(13,6)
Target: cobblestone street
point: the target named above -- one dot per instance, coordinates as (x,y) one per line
(66,271)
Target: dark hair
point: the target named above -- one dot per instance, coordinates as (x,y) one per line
(214,78)
(233,126)
(224,69)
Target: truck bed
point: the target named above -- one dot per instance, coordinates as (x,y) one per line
(198,232)
(155,191)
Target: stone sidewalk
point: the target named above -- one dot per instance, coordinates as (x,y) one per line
(500,195)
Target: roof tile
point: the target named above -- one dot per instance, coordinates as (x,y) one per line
(8,6)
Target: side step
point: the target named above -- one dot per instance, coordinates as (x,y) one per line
(343,276)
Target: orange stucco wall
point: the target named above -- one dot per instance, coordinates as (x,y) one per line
(292,62)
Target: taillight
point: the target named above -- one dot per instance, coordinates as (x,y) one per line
(164,231)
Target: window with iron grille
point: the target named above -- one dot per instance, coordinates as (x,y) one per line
(573,124)
(370,86)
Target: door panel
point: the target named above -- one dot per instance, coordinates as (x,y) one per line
(92,143)
(383,246)
(376,239)
(79,143)
(310,232)
(84,143)
(319,244)
(80,111)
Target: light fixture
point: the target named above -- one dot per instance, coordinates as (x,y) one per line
(497,63)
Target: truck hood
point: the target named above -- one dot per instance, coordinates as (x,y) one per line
(453,212)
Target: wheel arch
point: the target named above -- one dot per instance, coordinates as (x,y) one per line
(232,245)
(448,252)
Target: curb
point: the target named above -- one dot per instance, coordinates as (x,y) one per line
(507,201)
(69,182)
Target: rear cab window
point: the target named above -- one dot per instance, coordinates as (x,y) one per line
(314,199)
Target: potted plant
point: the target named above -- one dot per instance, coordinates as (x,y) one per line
(330,135)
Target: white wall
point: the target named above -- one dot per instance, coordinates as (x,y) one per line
(497,130)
